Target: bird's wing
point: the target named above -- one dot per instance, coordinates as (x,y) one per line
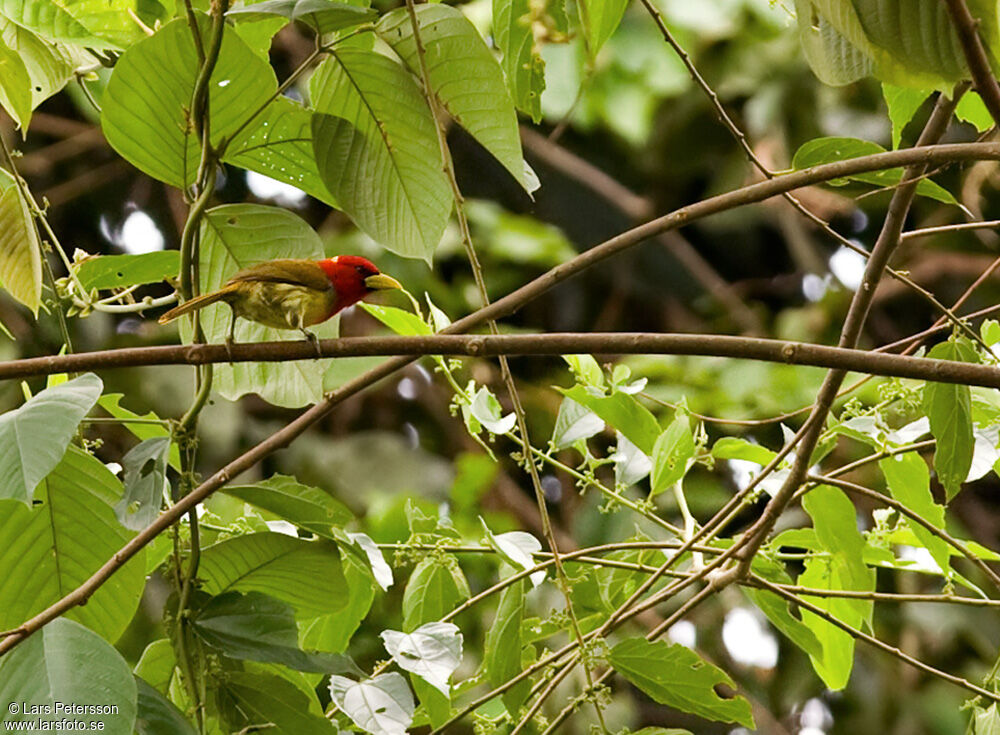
(288,270)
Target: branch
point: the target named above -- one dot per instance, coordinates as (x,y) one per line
(554,344)
(975,56)
(508,304)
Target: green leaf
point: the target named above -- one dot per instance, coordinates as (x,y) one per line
(399,321)
(34,437)
(257,627)
(307,507)
(680,678)
(20,249)
(835,521)
(156,665)
(99,24)
(110,403)
(832,57)
(949,409)
(121,271)
(672,454)
(49,66)
(433,591)
(600,19)
(323,16)
(157,715)
(235,236)
(971,109)
(522,60)
(145,477)
(49,550)
(732,447)
(147,102)
(305,574)
(909,482)
(377,151)
(278,143)
(333,632)
(64,663)
(829,150)
(621,411)
(15,86)
(573,423)
(616,585)
(502,648)
(776,610)
(903,104)
(251,698)
(465,77)
(586,370)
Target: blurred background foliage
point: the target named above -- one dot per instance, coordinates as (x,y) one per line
(635,115)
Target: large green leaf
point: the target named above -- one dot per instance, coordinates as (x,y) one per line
(502,648)
(434,589)
(49,550)
(333,632)
(679,677)
(34,437)
(15,86)
(909,43)
(323,16)
(122,271)
(250,698)
(258,627)
(909,482)
(949,409)
(66,664)
(843,568)
(377,151)
(278,143)
(95,23)
(829,150)
(20,249)
(157,715)
(235,236)
(305,574)
(466,78)
(49,65)
(145,108)
(522,59)
(307,507)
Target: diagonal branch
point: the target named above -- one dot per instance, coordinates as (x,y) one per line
(967,28)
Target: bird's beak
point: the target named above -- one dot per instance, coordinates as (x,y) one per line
(381,282)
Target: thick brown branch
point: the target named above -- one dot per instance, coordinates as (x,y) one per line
(600,343)
(975,56)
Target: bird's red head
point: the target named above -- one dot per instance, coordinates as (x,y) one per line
(354,277)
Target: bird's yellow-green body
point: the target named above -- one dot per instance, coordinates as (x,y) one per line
(291,293)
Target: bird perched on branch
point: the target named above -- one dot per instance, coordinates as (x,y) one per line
(292,293)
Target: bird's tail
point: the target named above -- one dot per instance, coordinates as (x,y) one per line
(198,302)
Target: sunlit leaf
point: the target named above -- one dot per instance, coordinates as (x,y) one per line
(377,151)
(433,652)
(949,408)
(466,78)
(382,705)
(20,249)
(121,271)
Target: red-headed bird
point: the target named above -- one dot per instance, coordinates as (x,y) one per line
(292,293)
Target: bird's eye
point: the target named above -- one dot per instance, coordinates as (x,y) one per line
(361,270)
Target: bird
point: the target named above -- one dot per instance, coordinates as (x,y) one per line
(292,293)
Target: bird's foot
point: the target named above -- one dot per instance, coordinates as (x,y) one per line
(229,348)
(315,342)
